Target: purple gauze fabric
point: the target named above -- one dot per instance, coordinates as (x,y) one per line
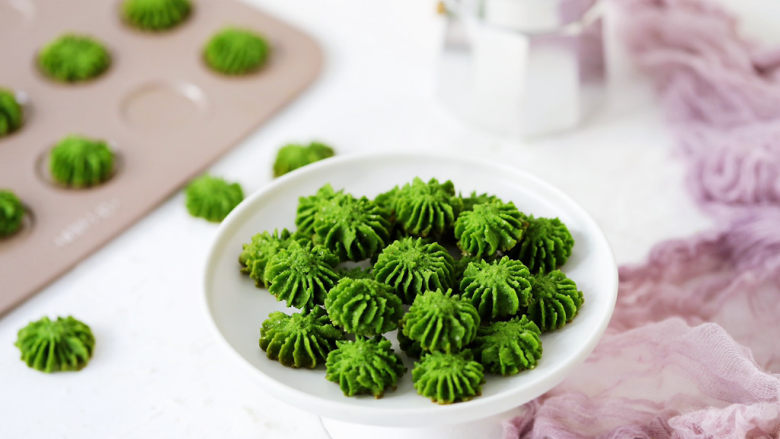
(693,349)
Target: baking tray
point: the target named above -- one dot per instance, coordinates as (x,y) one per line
(159,106)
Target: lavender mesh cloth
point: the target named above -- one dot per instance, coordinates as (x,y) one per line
(693,350)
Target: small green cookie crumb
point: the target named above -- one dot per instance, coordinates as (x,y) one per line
(293,156)
(546,244)
(448,378)
(11,115)
(234,51)
(363,306)
(11,213)
(212,198)
(155,15)
(507,348)
(53,346)
(556,300)
(78,161)
(303,339)
(440,321)
(74,58)
(364,367)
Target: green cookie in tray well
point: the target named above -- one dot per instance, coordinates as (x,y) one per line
(507,348)
(60,345)
(78,161)
(74,58)
(10,112)
(441,322)
(155,15)
(363,306)
(212,198)
(291,157)
(556,300)
(234,51)
(448,378)
(303,339)
(11,213)
(364,366)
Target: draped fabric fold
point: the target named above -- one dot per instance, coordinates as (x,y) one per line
(693,349)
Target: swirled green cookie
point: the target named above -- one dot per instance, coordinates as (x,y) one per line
(11,213)
(301,274)
(352,228)
(291,157)
(11,114)
(74,58)
(60,345)
(412,266)
(424,209)
(77,161)
(155,15)
(509,347)
(441,322)
(488,228)
(474,199)
(364,366)
(234,51)
(309,207)
(363,307)
(387,202)
(303,339)
(546,244)
(263,246)
(212,198)
(556,300)
(497,288)
(448,378)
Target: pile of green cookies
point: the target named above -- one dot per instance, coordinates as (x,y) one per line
(483,311)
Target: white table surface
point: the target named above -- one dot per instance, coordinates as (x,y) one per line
(158,370)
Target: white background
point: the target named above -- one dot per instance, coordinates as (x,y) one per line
(158,370)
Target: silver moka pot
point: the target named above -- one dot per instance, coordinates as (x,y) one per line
(523,67)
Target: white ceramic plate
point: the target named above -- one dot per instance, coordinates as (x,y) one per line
(237,307)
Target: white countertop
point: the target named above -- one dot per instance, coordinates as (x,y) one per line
(158,370)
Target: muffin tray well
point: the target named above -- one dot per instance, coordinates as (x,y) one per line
(165,113)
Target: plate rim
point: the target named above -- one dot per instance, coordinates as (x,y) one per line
(474,409)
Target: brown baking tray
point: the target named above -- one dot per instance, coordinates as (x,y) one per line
(166,114)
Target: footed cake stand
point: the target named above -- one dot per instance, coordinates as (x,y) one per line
(236,307)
